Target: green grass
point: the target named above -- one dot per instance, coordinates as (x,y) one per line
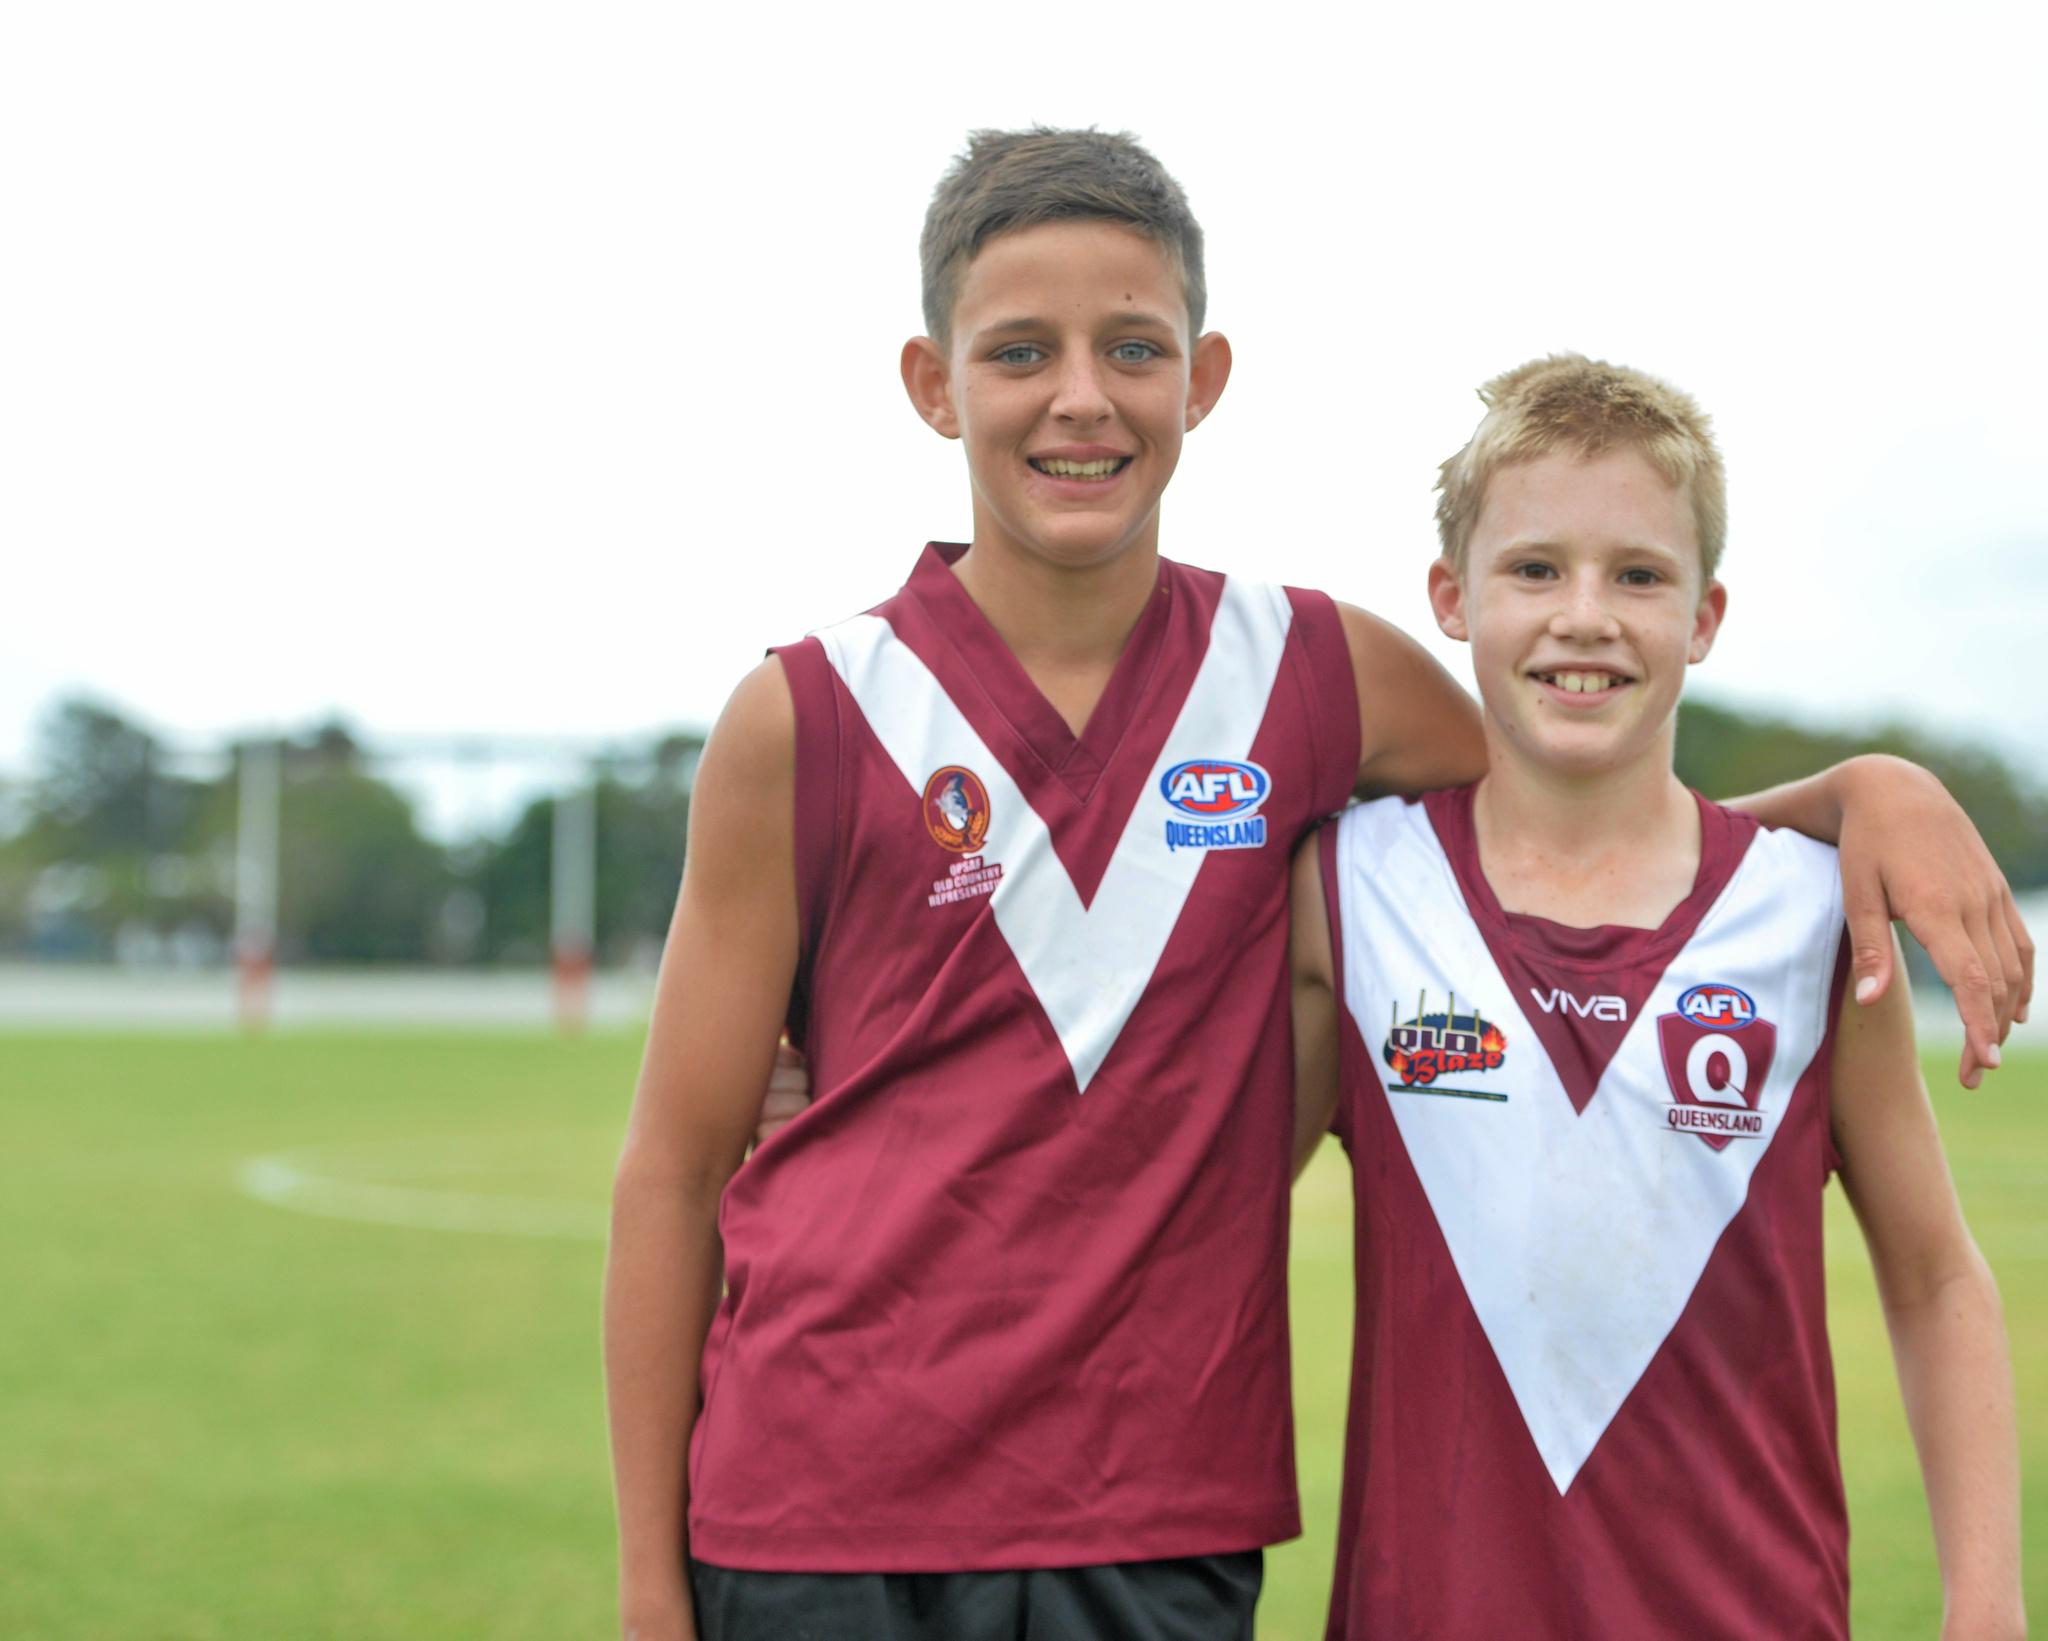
(222,1419)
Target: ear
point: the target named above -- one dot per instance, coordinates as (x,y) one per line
(928,381)
(1208,371)
(1447,599)
(1706,621)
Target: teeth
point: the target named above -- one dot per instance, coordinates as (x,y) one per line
(1060,468)
(1581,683)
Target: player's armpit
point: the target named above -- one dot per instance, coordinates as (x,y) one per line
(1417,729)
(1315,1006)
(1942,1308)
(719,1006)
(1909,852)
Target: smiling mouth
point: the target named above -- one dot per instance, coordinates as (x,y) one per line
(1058,467)
(1583,680)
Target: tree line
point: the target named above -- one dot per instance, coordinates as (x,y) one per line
(109,850)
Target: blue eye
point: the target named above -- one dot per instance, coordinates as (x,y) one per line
(1133,353)
(1020,353)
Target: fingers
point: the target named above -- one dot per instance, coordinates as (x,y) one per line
(788,1093)
(1978,926)
(1962,966)
(2023,948)
(1870,935)
(2011,975)
(778,1106)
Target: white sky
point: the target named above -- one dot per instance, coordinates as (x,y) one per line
(528,369)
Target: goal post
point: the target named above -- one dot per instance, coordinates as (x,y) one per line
(572,885)
(256,843)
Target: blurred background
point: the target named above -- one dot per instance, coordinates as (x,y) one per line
(413,419)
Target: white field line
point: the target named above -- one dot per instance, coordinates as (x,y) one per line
(297,1181)
(301,1181)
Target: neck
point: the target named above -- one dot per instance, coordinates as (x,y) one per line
(1059,618)
(1617,845)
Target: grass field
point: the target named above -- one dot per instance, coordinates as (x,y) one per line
(223,1418)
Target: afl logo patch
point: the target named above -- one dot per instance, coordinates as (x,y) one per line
(1717,1006)
(1717,1055)
(956,809)
(1214,789)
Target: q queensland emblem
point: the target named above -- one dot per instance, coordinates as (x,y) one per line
(1717,1054)
(956,809)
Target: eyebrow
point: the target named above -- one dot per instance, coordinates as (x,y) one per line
(1012,327)
(1531,544)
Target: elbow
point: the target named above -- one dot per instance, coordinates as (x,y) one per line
(1961,1279)
(646,1184)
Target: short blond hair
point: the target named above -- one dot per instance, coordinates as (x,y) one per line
(1567,402)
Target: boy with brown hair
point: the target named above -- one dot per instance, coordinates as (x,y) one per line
(993,1337)
(1595,1059)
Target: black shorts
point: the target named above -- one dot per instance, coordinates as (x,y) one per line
(1196,1598)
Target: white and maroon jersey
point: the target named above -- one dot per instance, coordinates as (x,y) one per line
(1011,1292)
(1591,1392)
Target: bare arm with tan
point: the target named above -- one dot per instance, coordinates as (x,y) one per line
(1314,983)
(1942,1308)
(711,1049)
(1909,852)
(1418,728)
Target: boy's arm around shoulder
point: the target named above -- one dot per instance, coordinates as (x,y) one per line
(1417,729)
(719,1007)
(1910,852)
(1942,1308)
(1313,977)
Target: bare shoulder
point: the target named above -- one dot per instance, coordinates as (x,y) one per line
(756,733)
(1417,728)
(743,803)
(1364,632)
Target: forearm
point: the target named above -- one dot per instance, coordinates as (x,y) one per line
(1817,804)
(1955,1376)
(662,1284)
(1812,805)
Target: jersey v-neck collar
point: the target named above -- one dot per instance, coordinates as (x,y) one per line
(1077,762)
(1529,950)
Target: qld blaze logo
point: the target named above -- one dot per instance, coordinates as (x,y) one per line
(1437,1044)
(1717,1054)
(956,809)
(1219,797)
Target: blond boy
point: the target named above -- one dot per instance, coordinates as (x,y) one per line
(1589,1040)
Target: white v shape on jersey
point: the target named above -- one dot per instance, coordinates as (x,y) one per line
(1544,1278)
(1088,960)
(1579,1235)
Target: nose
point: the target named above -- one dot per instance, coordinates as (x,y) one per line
(1078,394)
(1581,614)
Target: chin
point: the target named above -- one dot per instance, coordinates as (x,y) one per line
(1080,543)
(1576,750)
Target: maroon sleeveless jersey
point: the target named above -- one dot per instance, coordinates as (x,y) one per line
(1011,1292)
(1591,1393)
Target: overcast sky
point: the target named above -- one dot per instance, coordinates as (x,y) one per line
(528,369)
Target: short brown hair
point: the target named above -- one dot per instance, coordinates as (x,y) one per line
(1018,179)
(1587,406)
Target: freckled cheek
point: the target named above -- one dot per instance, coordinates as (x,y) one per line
(994,414)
